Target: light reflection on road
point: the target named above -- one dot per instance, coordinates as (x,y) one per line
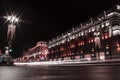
(59,73)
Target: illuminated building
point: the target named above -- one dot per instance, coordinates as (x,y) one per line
(96,39)
(37,53)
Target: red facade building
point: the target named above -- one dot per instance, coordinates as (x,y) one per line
(37,53)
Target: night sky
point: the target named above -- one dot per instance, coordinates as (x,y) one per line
(43,20)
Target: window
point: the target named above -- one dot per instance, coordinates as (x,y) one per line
(93,28)
(92,54)
(76,36)
(89,29)
(107,23)
(70,37)
(107,52)
(72,45)
(86,31)
(98,27)
(61,49)
(79,33)
(116,32)
(82,33)
(52,51)
(107,45)
(81,43)
(81,51)
(57,43)
(73,37)
(106,35)
(102,25)
(118,7)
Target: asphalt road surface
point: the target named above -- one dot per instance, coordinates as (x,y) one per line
(59,72)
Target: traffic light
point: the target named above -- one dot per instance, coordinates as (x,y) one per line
(10,50)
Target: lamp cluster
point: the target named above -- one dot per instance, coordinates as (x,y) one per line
(12,19)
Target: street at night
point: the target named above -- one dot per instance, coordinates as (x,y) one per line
(59,73)
(60,40)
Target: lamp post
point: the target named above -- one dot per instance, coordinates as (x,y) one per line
(12,20)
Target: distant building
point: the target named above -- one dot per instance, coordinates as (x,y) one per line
(96,39)
(37,53)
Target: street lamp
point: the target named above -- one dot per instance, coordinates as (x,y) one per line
(11,27)
(12,19)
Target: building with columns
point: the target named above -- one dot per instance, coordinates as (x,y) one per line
(96,39)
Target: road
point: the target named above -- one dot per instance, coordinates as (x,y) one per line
(60,72)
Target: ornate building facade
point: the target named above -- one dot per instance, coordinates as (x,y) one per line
(96,39)
(37,53)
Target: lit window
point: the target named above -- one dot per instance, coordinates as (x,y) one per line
(98,27)
(89,30)
(102,57)
(92,54)
(92,49)
(98,33)
(106,36)
(95,34)
(89,41)
(107,52)
(102,25)
(72,45)
(93,29)
(73,37)
(107,46)
(82,33)
(76,36)
(61,48)
(102,36)
(92,40)
(81,51)
(52,51)
(116,32)
(86,31)
(81,43)
(118,46)
(63,41)
(79,34)
(118,7)
(107,23)
(57,43)
(68,39)
(81,56)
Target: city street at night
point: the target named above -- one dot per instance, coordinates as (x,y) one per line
(59,40)
(59,72)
